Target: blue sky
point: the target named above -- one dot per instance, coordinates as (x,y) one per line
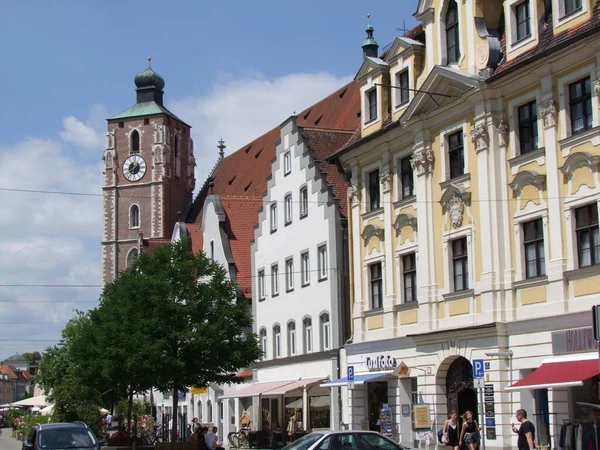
(232,68)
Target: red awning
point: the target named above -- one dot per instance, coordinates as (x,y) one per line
(559,372)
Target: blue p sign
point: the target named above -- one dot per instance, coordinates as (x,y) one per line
(478,369)
(350,373)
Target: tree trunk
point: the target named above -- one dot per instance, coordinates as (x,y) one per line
(175,404)
(129,411)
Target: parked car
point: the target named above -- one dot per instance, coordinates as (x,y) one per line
(344,440)
(60,436)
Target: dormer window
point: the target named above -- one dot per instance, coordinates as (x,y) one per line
(135,142)
(402,93)
(371,106)
(452,33)
(572,6)
(523,19)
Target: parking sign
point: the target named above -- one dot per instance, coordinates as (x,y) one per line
(478,368)
(350,373)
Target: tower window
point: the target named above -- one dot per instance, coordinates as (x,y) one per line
(132,256)
(452,33)
(135,142)
(146,121)
(134,216)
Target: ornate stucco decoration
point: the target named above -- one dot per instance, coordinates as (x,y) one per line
(577,160)
(354,192)
(404,220)
(422,160)
(386,180)
(525,178)
(158,155)
(479,136)
(370,231)
(548,112)
(453,201)
(488,54)
(109,159)
(502,132)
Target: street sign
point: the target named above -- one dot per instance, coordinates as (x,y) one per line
(350,384)
(478,383)
(350,373)
(490,421)
(478,368)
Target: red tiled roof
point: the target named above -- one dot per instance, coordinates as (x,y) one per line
(10,371)
(150,245)
(240,179)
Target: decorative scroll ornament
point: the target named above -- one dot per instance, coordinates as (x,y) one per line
(502,132)
(422,160)
(386,180)
(354,193)
(455,208)
(548,112)
(479,136)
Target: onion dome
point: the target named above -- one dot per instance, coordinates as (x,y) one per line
(149,79)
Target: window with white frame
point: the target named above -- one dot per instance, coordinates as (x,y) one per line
(322,251)
(460,264)
(407,187)
(291,338)
(325,332)
(275,280)
(371,106)
(261,284)
(134,138)
(289,274)
(528,127)
(303,201)
(263,343)
(273,214)
(456,154)
(402,91)
(373,190)
(376,285)
(308,335)
(305,268)
(522,21)
(533,246)
(409,277)
(588,235)
(571,6)
(452,33)
(287,206)
(287,163)
(277,341)
(580,105)
(134,216)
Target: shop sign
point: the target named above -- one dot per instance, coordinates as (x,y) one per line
(198,390)
(422,418)
(577,340)
(401,371)
(382,362)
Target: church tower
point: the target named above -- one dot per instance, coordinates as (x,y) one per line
(148,175)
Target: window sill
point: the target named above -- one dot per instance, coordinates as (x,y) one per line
(527,157)
(575,140)
(287,223)
(370,121)
(262,299)
(303,216)
(583,272)
(521,42)
(407,306)
(134,228)
(531,282)
(408,200)
(285,174)
(458,295)
(373,312)
(303,285)
(371,214)
(275,295)
(402,105)
(462,179)
(273,230)
(569,16)
(289,290)
(320,280)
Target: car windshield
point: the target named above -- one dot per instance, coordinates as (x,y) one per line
(304,442)
(63,438)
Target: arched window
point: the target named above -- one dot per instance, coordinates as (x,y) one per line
(263,343)
(277,341)
(291,339)
(132,256)
(135,142)
(325,332)
(308,335)
(134,216)
(452,33)
(209,411)
(176,146)
(199,410)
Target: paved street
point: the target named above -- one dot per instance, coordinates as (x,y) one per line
(7,442)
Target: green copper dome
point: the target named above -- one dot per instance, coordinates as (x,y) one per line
(149,78)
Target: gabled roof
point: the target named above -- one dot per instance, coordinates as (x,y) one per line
(15,357)
(401,44)
(144,109)
(369,65)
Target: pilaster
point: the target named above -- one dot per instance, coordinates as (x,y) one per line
(386,178)
(354,199)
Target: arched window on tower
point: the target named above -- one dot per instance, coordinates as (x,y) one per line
(132,256)
(135,142)
(134,216)
(452,33)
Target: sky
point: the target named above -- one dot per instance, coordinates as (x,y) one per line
(232,68)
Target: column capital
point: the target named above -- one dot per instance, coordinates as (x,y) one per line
(548,113)
(386,178)
(423,158)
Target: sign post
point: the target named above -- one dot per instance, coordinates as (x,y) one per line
(478,379)
(350,377)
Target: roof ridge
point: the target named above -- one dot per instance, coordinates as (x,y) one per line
(328,130)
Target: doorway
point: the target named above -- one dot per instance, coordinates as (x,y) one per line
(460,392)
(377,396)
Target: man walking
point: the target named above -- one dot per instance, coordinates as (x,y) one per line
(108,421)
(526,431)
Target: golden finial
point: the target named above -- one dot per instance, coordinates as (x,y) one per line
(149,59)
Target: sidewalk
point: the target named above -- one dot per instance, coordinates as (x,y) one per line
(7,442)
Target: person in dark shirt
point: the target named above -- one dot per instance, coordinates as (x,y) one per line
(526,431)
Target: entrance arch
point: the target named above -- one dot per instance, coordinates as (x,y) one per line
(461,395)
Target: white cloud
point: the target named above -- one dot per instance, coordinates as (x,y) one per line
(85,134)
(242,109)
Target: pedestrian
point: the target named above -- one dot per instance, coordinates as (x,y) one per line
(212,440)
(195,424)
(469,431)
(451,431)
(526,431)
(108,421)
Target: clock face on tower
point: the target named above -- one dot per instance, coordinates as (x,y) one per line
(134,168)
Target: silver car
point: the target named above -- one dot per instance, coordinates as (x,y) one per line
(344,440)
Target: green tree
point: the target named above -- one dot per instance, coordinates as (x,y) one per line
(34,359)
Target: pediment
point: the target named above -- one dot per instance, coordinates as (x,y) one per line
(442,86)
(370,65)
(400,45)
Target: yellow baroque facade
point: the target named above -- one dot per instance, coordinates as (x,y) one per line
(474,196)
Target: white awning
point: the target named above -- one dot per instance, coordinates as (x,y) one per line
(294,386)
(40,400)
(255,389)
(360,379)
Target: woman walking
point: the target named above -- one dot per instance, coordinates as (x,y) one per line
(451,431)
(468,434)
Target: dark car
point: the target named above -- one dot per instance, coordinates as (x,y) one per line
(61,436)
